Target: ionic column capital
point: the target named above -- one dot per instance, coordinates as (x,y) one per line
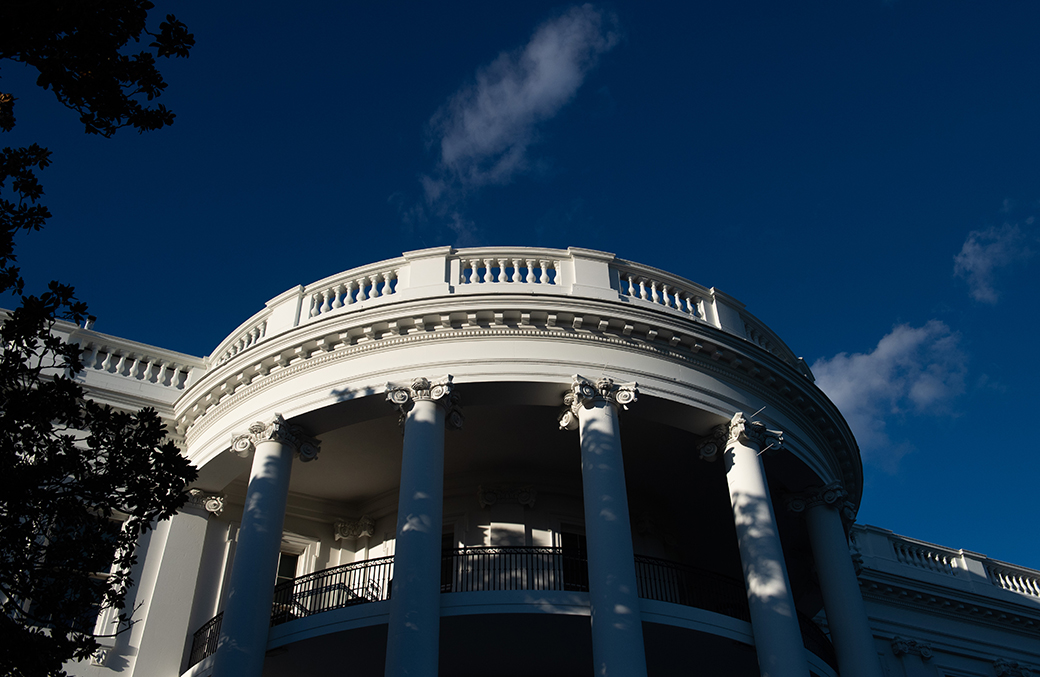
(902,646)
(740,430)
(277,430)
(832,495)
(422,389)
(203,500)
(585,393)
(1003,667)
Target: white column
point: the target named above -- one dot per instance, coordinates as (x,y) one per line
(166,638)
(617,627)
(846,613)
(247,611)
(774,620)
(413,631)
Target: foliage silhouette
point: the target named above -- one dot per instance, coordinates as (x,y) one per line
(79,481)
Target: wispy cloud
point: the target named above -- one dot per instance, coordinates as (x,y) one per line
(913,370)
(484,132)
(987,251)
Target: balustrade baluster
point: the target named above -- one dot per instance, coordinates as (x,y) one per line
(121,363)
(517,275)
(361,296)
(106,364)
(531,276)
(545,265)
(90,360)
(337,292)
(488,270)
(391,275)
(326,304)
(160,375)
(315,305)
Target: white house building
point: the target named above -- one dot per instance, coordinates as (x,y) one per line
(519,461)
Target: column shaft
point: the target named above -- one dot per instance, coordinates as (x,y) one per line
(774,621)
(247,612)
(617,629)
(413,634)
(166,619)
(846,613)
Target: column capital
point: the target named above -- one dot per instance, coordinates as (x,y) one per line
(422,389)
(204,500)
(362,527)
(740,429)
(585,393)
(1002,667)
(832,495)
(902,646)
(277,430)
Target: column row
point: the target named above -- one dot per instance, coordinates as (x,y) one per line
(427,408)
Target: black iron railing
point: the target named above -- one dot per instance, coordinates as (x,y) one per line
(335,588)
(480,569)
(667,581)
(205,641)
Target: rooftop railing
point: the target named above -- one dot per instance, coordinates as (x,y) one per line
(971,568)
(445,271)
(483,569)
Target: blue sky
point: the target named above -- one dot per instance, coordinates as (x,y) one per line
(863,175)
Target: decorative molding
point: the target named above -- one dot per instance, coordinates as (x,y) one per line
(212,503)
(422,389)
(1003,667)
(691,349)
(832,495)
(740,430)
(525,495)
(100,657)
(278,430)
(891,593)
(362,527)
(584,393)
(902,646)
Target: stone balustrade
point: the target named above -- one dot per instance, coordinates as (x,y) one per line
(444,271)
(113,367)
(1013,578)
(352,288)
(251,332)
(883,551)
(923,557)
(643,283)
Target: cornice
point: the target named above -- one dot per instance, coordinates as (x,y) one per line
(691,342)
(935,600)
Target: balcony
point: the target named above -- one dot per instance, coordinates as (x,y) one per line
(482,569)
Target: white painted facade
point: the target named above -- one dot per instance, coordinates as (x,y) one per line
(519,461)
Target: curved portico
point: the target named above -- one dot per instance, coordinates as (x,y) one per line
(618,544)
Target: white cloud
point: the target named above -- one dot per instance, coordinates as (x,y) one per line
(913,370)
(984,252)
(485,129)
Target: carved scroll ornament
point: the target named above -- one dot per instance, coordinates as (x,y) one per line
(740,430)
(585,393)
(277,430)
(441,391)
